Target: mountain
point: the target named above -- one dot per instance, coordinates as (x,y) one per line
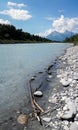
(57,36)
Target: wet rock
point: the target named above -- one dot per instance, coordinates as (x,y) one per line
(74,126)
(38,94)
(40,72)
(49,78)
(32,78)
(22,119)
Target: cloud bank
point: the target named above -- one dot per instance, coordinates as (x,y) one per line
(13,4)
(16,13)
(62,24)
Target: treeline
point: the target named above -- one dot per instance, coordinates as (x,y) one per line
(73,39)
(9,34)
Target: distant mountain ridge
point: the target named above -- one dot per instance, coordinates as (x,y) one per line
(57,36)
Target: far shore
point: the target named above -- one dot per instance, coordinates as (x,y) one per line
(24,42)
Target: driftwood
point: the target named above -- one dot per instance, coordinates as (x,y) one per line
(35,105)
(33,102)
(38,107)
(31,97)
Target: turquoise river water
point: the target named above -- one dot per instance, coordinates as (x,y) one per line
(18,63)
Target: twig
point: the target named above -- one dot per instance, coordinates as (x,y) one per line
(50,110)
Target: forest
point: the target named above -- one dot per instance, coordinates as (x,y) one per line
(9,34)
(72,39)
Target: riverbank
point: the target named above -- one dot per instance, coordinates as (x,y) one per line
(61,98)
(57,97)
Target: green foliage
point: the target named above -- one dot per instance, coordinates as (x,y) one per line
(73,39)
(8,34)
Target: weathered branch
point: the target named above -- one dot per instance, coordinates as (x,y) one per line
(37,105)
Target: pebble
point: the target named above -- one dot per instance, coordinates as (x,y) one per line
(47,119)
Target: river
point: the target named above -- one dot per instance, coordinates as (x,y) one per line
(18,63)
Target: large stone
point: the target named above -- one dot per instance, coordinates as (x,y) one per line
(69,114)
(38,94)
(65,83)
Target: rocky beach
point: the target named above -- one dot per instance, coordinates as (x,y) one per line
(64,115)
(59,100)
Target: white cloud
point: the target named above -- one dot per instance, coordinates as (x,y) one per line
(2,21)
(13,4)
(62,24)
(17,14)
(44,34)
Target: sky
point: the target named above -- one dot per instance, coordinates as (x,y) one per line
(40,17)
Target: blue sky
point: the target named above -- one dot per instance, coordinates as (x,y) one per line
(40,16)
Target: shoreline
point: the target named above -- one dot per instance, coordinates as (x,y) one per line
(50,100)
(61,98)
